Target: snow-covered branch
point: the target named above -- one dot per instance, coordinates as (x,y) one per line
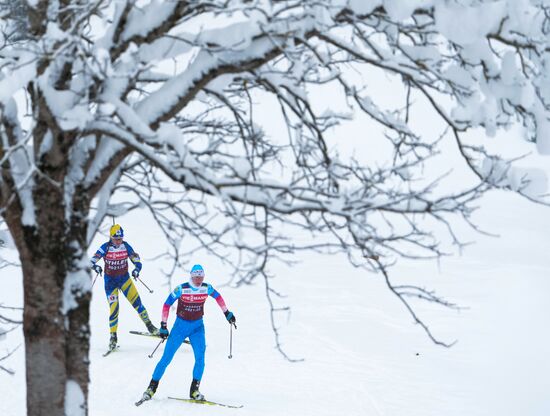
(241,124)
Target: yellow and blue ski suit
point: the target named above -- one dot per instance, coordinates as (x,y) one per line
(117,277)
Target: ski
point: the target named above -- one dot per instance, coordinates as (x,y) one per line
(147,334)
(109,351)
(208,402)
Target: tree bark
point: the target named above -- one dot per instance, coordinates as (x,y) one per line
(56,341)
(78,333)
(44,338)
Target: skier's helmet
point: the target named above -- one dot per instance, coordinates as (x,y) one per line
(197,275)
(116,231)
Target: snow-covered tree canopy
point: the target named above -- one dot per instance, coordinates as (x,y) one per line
(230,121)
(167,100)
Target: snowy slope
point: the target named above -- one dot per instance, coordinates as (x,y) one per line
(362,354)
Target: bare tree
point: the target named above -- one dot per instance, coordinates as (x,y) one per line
(160,104)
(12,324)
(6,312)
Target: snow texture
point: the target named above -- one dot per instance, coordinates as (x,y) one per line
(74,399)
(479,65)
(76,283)
(358,344)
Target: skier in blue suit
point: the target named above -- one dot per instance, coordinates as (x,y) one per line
(189,323)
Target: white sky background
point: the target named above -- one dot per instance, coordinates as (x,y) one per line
(359,344)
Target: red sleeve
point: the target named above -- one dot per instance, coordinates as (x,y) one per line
(221,302)
(215,294)
(165,312)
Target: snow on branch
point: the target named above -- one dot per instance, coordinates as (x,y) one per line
(238,124)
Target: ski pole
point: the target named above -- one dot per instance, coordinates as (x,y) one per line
(156,348)
(231,340)
(95,278)
(150,291)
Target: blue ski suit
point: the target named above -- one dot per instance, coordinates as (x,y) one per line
(189,323)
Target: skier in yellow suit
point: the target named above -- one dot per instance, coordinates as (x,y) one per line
(115,254)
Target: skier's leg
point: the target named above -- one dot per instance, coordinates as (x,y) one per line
(131,293)
(198,342)
(177,335)
(111,291)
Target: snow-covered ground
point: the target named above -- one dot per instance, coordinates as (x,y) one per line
(362,355)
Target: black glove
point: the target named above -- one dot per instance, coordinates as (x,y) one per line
(97,268)
(135,273)
(163,331)
(230,317)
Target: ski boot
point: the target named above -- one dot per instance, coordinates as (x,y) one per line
(153,330)
(194,392)
(113,341)
(150,392)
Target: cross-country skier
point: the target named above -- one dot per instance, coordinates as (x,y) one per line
(189,323)
(115,254)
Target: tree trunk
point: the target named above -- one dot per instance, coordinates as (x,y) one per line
(43,327)
(56,311)
(78,334)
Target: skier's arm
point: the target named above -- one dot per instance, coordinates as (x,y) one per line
(221,303)
(99,254)
(172,297)
(133,256)
(216,295)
